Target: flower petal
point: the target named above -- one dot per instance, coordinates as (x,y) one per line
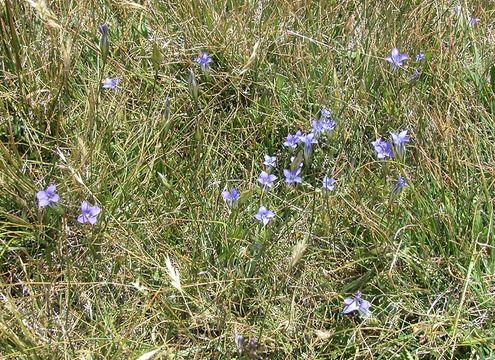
(92,220)
(350,308)
(85,207)
(40,195)
(94,210)
(43,202)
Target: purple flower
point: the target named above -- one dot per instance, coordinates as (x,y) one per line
(88,213)
(325,114)
(457,10)
(47,197)
(400,139)
(356,303)
(328,183)
(110,83)
(103,28)
(318,126)
(420,56)
(248,346)
(292,176)
(293,140)
(400,185)
(231,196)
(473,21)
(204,60)
(266,179)
(383,149)
(328,125)
(396,59)
(270,161)
(264,215)
(308,141)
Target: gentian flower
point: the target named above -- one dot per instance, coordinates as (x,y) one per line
(420,56)
(47,197)
(318,126)
(473,21)
(266,179)
(270,161)
(328,125)
(110,83)
(383,149)
(293,140)
(308,141)
(264,215)
(400,184)
(325,114)
(356,303)
(400,139)
(104,40)
(292,176)
(204,60)
(88,213)
(247,346)
(103,28)
(231,196)
(396,59)
(328,183)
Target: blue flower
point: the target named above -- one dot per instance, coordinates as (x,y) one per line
(396,59)
(204,60)
(266,179)
(325,124)
(325,114)
(264,215)
(383,149)
(308,141)
(352,304)
(420,56)
(110,83)
(400,139)
(270,161)
(318,126)
(400,184)
(48,196)
(103,28)
(231,196)
(328,183)
(292,176)
(88,213)
(473,21)
(293,140)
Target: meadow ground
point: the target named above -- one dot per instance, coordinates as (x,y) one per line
(171,270)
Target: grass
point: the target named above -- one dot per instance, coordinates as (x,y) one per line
(168,266)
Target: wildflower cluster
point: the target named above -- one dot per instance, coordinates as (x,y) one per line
(324,125)
(49,197)
(397,59)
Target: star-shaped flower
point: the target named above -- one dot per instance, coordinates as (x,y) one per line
(396,59)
